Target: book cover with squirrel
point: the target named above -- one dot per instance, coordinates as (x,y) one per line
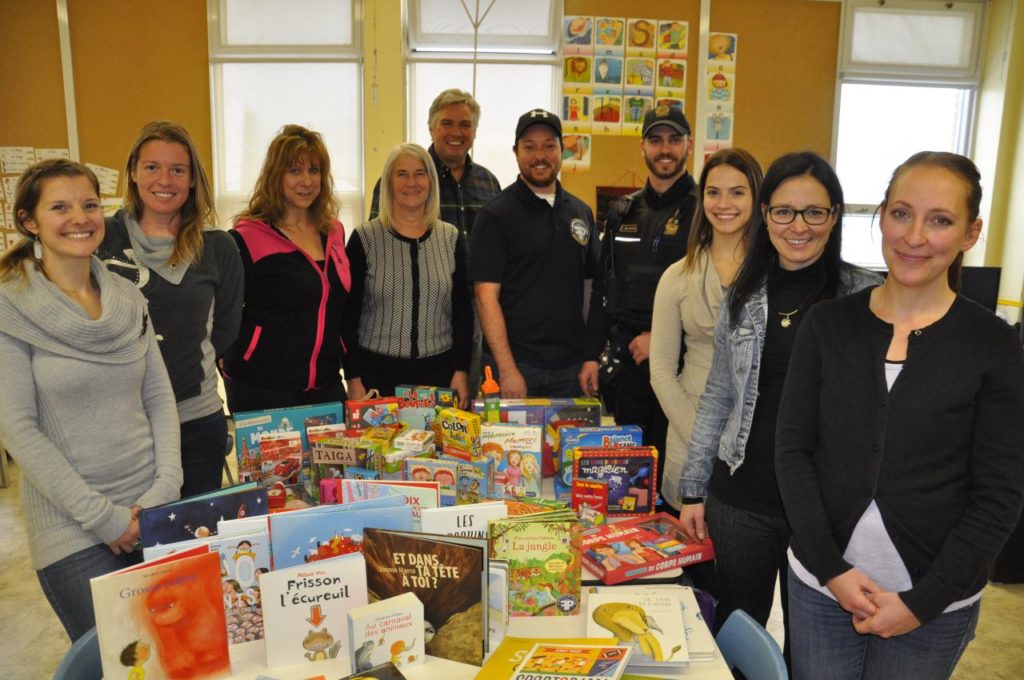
(163,619)
(450,577)
(388,630)
(306,609)
(545,567)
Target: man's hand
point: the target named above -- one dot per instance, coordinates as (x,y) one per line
(640,348)
(460,383)
(588,378)
(852,589)
(513,384)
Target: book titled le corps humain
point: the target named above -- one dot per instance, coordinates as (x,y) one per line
(449,574)
(163,619)
(306,609)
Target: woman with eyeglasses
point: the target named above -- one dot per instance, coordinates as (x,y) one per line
(793,261)
(898,453)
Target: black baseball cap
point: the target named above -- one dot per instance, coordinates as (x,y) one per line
(538,117)
(666,115)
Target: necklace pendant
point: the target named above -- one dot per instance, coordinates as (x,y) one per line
(785,323)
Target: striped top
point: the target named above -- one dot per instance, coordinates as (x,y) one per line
(410,298)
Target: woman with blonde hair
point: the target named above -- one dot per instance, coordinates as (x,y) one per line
(165,241)
(409,314)
(87,409)
(289,348)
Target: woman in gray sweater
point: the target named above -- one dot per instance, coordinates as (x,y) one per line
(87,409)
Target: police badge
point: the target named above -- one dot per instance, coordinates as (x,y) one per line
(580,232)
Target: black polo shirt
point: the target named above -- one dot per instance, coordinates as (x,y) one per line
(541,256)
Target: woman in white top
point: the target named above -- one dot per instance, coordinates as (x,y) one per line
(688,296)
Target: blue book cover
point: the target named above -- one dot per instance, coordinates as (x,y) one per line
(570,438)
(302,536)
(197,517)
(250,426)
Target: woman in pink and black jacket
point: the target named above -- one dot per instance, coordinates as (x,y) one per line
(289,348)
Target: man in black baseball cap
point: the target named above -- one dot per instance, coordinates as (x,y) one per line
(531,250)
(645,232)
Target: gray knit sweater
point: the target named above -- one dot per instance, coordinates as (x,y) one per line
(86,410)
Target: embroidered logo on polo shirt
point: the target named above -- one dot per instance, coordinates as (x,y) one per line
(628,229)
(580,232)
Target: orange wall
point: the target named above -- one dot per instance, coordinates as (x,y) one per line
(785,80)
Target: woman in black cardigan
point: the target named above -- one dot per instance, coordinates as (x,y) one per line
(896,451)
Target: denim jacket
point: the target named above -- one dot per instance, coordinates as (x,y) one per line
(726,407)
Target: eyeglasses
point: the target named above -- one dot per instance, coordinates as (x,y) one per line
(812,215)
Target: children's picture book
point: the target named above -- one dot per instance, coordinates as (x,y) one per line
(316,433)
(385,671)
(473,482)
(387,631)
(543,555)
(280,457)
(641,546)
(513,650)
(650,620)
(250,426)
(699,641)
(631,473)
(462,520)
(590,501)
(560,661)
(163,619)
(444,472)
(197,516)
(508,445)
(574,437)
(243,557)
(305,536)
(419,496)
(306,609)
(449,575)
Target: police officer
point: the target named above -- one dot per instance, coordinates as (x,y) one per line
(644,233)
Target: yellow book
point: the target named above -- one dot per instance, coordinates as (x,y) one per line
(512,650)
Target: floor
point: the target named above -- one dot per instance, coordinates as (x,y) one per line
(33,641)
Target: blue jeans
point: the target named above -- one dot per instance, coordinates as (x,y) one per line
(66,584)
(750,553)
(563,381)
(203,447)
(826,646)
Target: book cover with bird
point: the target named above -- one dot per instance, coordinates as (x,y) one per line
(650,620)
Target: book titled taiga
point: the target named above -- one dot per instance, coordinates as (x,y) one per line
(306,609)
(163,619)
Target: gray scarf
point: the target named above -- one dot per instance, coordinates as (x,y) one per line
(154,252)
(41,315)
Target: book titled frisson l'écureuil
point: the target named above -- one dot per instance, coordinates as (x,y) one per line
(306,609)
(163,619)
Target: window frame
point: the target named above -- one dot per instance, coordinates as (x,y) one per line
(851,72)
(220,53)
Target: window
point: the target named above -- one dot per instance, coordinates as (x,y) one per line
(516,42)
(275,62)
(907,83)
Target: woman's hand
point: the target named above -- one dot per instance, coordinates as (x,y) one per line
(460,383)
(126,541)
(892,616)
(692,518)
(356,390)
(853,589)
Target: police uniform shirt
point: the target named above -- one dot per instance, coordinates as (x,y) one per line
(540,255)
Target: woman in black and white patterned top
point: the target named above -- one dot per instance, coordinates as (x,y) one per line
(409,309)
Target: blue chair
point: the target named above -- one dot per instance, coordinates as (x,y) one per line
(82,662)
(747,647)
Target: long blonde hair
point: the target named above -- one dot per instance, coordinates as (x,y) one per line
(26,200)
(267,203)
(198,213)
